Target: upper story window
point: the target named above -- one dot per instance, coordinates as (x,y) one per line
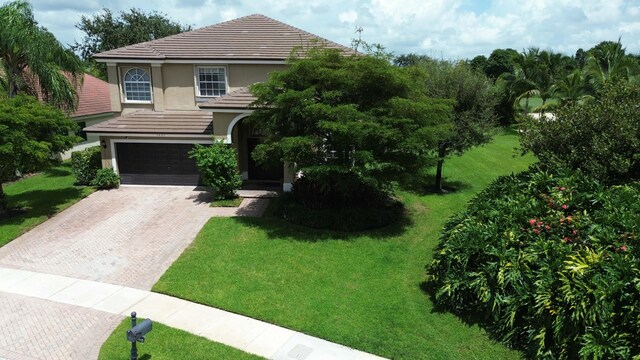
(137,85)
(212,81)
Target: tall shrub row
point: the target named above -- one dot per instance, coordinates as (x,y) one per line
(548,263)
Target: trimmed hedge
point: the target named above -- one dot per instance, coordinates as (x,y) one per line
(548,263)
(106,179)
(85,164)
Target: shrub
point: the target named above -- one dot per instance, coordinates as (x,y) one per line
(599,137)
(85,164)
(106,179)
(218,165)
(326,187)
(549,264)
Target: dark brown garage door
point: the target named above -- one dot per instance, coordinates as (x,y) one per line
(156,164)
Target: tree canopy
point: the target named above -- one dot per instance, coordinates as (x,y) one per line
(30,134)
(329,115)
(599,137)
(473,114)
(32,61)
(104,31)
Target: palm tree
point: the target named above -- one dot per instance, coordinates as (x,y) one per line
(572,88)
(611,63)
(33,61)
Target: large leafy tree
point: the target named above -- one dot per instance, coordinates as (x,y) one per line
(32,61)
(355,118)
(104,31)
(30,134)
(473,114)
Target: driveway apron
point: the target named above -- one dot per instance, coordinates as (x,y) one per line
(128,236)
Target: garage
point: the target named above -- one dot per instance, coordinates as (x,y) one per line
(156,164)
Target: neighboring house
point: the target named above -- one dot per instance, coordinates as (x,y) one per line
(93,108)
(188,88)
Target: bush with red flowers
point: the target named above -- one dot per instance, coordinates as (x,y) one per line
(549,264)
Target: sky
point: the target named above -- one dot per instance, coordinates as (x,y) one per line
(448,29)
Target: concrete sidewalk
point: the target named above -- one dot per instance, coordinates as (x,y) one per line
(247,334)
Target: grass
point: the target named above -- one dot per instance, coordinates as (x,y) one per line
(535,102)
(41,196)
(361,290)
(167,343)
(235,202)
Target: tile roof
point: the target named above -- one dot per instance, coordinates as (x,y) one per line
(253,37)
(157,122)
(93,97)
(238,99)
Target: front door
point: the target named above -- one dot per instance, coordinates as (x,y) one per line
(258,172)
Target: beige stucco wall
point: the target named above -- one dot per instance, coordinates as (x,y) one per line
(179,91)
(114,87)
(243,75)
(174,85)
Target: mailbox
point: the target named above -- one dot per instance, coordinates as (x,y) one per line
(137,333)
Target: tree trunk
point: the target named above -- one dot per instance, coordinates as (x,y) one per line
(441,154)
(3,201)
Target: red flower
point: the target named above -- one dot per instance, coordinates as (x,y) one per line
(532,221)
(564,206)
(623,247)
(563,188)
(575,232)
(547,227)
(536,231)
(566,239)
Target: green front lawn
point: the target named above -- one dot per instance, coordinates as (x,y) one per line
(167,343)
(42,196)
(360,290)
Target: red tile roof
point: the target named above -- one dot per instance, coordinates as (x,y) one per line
(157,122)
(238,99)
(253,37)
(93,97)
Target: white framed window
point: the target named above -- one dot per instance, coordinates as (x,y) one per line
(137,85)
(211,81)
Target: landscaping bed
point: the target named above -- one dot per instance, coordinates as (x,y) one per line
(363,290)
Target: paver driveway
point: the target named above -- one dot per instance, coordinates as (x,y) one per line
(128,236)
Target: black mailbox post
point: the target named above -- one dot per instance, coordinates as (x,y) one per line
(136,333)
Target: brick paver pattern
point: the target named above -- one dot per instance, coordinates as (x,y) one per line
(33,329)
(128,236)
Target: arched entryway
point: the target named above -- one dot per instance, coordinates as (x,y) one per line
(246,138)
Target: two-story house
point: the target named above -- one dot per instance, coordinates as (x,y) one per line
(188,89)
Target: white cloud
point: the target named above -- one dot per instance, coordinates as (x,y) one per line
(448,28)
(348,16)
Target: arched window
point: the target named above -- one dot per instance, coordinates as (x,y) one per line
(137,85)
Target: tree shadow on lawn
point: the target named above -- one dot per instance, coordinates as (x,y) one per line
(278,228)
(469,317)
(425,185)
(36,203)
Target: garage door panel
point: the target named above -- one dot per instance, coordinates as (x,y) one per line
(156,164)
